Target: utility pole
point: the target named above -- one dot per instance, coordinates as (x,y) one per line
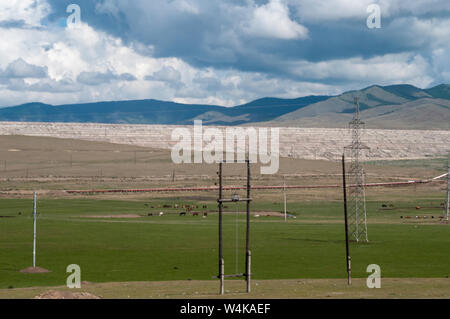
(248,252)
(347,249)
(34,229)
(284,193)
(221,261)
(235,198)
(448,187)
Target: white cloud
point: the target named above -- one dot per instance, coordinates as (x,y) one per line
(47,61)
(29,11)
(272,21)
(390,68)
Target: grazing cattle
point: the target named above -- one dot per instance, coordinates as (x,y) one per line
(150,214)
(161,214)
(195,213)
(183,214)
(205,214)
(175,206)
(205,206)
(167,206)
(384,206)
(417,207)
(391,205)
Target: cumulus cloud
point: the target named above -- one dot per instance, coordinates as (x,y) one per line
(24,12)
(220,52)
(272,21)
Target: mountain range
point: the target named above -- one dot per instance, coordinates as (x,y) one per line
(389,107)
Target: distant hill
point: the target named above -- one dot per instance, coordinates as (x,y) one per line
(156,112)
(396,106)
(390,107)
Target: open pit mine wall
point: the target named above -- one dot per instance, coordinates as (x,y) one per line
(304,143)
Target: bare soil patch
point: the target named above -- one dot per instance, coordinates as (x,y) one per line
(393,288)
(35,270)
(261,214)
(115,216)
(53,294)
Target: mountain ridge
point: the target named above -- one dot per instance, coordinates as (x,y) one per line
(431,110)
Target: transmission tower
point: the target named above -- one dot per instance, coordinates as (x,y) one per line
(357,217)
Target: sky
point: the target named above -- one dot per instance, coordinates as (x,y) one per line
(223,52)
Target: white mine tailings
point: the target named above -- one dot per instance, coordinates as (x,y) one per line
(306,143)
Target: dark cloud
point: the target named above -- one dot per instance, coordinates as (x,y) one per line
(20,69)
(18,24)
(98,78)
(166,74)
(46,85)
(208,33)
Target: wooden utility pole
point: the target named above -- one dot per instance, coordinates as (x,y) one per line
(284,194)
(221,261)
(248,252)
(34,229)
(235,199)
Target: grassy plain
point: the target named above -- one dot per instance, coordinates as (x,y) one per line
(136,255)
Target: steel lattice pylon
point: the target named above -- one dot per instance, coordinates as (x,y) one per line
(357,217)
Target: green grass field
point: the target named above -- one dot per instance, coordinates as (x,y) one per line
(175,247)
